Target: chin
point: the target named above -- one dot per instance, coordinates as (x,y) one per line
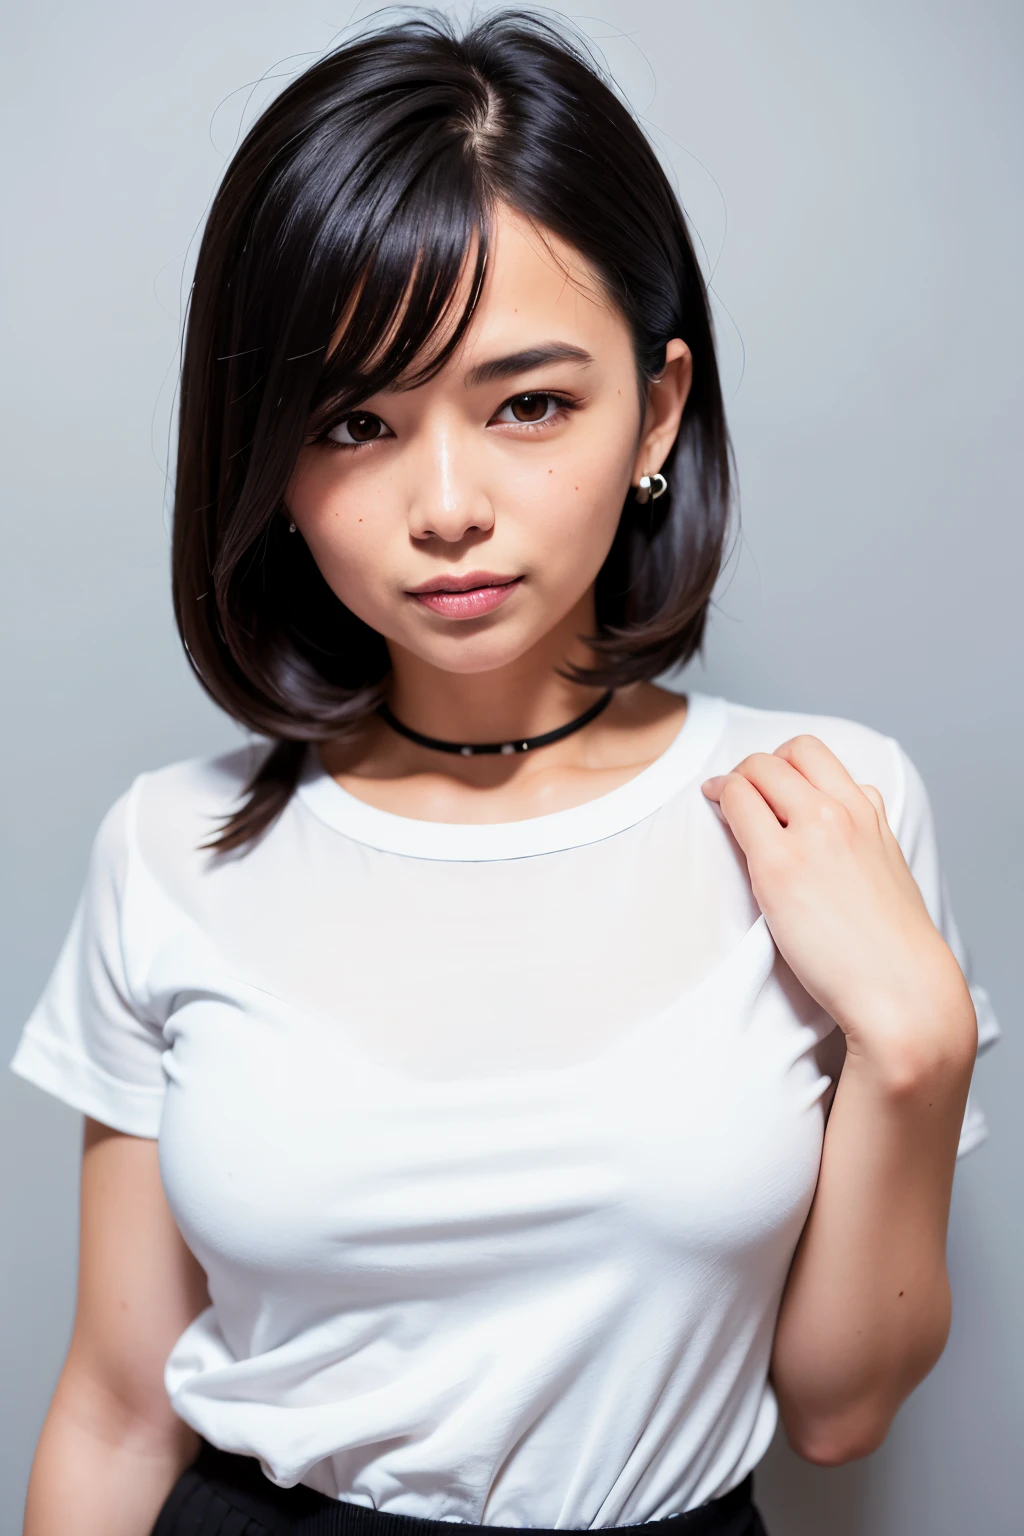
(471,654)
(469,661)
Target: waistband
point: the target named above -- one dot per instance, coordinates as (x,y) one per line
(221,1480)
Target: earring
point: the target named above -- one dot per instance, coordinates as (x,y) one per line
(651,487)
(291,527)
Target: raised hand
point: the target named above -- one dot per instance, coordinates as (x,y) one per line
(843,906)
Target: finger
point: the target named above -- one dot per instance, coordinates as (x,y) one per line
(751,820)
(820,767)
(875,797)
(778,784)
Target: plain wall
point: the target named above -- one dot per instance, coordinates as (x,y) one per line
(867,161)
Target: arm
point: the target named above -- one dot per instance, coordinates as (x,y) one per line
(111,1448)
(866,1310)
(865,1313)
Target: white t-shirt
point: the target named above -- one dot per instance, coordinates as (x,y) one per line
(495,1141)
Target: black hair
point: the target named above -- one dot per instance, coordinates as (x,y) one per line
(363,190)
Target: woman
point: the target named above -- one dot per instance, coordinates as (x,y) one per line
(456,1067)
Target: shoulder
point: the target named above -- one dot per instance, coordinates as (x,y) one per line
(869,755)
(201,785)
(177,806)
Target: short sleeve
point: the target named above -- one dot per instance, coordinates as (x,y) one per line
(912,822)
(89,1041)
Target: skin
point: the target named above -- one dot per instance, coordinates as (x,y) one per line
(111,1449)
(866,1309)
(455,484)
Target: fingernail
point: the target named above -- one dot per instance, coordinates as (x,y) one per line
(713,785)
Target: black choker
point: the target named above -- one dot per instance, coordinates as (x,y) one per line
(494,748)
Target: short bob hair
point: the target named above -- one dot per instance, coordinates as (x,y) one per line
(362,190)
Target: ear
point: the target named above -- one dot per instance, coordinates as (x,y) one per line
(666,397)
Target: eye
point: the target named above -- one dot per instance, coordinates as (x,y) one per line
(532,409)
(359,427)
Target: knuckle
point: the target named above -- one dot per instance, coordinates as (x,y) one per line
(875,796)
(800,746)
(834,818)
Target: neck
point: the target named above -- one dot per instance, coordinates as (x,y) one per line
(524,698)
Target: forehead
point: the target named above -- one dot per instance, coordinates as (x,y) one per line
(531,269)
(537,287)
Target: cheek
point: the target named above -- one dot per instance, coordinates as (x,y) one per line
(573,496)
(346,530)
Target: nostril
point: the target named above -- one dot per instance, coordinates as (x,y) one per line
(451,525)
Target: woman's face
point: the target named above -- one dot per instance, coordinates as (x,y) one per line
(465,519)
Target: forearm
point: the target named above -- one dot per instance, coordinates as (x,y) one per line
(865,1313)
(101,1472)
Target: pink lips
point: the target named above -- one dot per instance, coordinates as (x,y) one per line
(466,597)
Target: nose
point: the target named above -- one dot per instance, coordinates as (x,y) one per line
(446,502)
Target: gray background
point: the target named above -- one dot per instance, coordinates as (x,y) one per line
(867,160)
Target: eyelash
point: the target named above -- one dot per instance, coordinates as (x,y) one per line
(565,403)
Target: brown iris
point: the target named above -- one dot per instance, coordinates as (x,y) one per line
(530,407)
(362,427)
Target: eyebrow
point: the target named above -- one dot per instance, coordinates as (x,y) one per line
(522,362)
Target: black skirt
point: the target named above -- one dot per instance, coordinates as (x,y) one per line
(221,1494)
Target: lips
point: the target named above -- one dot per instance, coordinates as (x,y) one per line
(465,596)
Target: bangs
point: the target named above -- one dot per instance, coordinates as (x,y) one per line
(344,254)
(407,284)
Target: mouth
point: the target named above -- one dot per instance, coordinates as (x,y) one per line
(467,596)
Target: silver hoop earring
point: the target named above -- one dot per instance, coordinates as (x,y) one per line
(651,487)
